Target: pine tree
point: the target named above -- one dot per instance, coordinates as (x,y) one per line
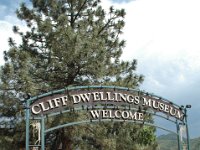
(69,42)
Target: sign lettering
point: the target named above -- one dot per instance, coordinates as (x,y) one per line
(106,97)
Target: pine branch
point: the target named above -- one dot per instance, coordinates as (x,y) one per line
(78,14)
(106,25)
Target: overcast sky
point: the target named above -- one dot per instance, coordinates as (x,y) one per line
(163,35)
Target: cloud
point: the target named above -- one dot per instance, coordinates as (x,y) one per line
(7,8)
(2,9)
(163,35)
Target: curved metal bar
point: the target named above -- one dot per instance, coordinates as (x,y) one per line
(95,87)
(105,120)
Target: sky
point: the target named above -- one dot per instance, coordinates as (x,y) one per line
(164,37)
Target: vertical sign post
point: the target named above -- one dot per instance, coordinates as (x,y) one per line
(27,124)
(186,124)
(178,135)
(42,134)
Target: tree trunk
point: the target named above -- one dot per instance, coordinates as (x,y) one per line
(66,141)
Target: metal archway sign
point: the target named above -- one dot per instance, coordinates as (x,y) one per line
(105,103)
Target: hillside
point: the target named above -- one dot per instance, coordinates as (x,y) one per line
(169,142)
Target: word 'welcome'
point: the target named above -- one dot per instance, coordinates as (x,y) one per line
(116,114)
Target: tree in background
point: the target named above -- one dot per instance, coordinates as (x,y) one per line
(69,42)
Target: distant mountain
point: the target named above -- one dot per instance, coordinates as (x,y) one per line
(195,144)
(169,142)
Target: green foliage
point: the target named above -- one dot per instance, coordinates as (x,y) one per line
(69,42)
